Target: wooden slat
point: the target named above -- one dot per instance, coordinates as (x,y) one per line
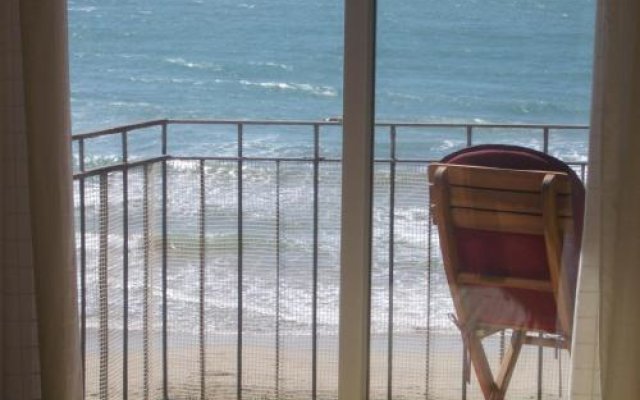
(552,235)
(498,221)
(498,178)
(523,325)
(465,278)
(500,200)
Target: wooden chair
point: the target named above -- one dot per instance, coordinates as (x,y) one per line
(510,246)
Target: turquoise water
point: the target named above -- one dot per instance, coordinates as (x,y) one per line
(459,60)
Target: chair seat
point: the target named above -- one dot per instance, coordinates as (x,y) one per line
(511,308)
(516,256)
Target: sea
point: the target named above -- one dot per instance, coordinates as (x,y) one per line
(517,61)
(453,61)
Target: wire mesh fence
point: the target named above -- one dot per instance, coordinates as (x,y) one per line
(217,276)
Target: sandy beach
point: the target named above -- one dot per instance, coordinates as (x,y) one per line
(286,374)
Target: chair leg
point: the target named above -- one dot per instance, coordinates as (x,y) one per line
(481,365)
(508,365)
(494,389)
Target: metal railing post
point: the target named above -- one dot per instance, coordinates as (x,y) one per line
(314,318)
(540,368)
(202,243)
(103,289)
(428,324)
(146,283)
(240,265)
(392,207)
(465,370)
(545,139)
(83,266)
(165,367)
(278,266)
(560,375)
(125,266)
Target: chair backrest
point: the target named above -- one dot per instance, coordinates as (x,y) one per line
(510,240)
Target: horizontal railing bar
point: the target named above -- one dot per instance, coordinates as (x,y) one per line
(315,124)
(419,161)
(324,159)
(118,129)
(476,125)
(378,123)
(121,166)
(159,122)
(285,159)
(232,158)
(118,167)
(293,159)
(250,122)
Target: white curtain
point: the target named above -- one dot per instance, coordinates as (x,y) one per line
(39,340)
(606,351)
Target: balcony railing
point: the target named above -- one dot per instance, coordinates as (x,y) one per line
(215,275)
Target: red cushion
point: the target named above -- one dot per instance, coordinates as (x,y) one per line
(514,255)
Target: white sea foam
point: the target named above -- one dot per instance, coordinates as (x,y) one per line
(178,81)
(195,65)
(130,104)
(480,121)
(304,87)
(128,55)
(86,9)
(448,144)
(404,96)
(260,282)
(272,65)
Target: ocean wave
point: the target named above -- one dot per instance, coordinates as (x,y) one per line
(86,9)
(97,161)
(179,81)
(448,144)
(194,65)
(129,55)
(404,96)
(131,104)
(304,87)
(272,65)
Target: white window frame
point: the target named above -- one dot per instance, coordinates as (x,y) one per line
(357,198)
